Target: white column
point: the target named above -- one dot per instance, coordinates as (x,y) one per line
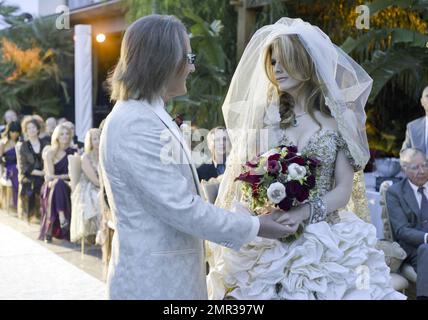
(83,79)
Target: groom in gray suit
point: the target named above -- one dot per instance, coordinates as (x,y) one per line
(417,130)
(153,189)
(407,203)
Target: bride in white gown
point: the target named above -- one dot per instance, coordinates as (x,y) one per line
(294,87)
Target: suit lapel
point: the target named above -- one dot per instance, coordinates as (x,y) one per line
(159,110)
(409,197)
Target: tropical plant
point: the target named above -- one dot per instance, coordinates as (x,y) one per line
(36,57)
(213,39)
(393,51)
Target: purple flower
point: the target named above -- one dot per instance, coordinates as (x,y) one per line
(284,167)
(298,160)
(273,166)
(274,157)
(286,204)
(310,182)
(293,188)
(313,163)
(303,194)
(248,177)
(292,149)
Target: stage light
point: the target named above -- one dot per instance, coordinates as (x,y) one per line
(101,37)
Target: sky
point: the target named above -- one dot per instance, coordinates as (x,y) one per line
(30,6)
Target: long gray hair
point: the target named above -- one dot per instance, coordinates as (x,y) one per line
(153,51)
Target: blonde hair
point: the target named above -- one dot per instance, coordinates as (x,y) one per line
(88,139)
(296,61)
(55,136)
(153,51)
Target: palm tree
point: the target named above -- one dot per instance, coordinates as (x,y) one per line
(35,59)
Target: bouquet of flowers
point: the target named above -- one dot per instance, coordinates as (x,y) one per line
(279,178)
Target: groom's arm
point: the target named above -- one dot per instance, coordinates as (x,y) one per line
(166,193)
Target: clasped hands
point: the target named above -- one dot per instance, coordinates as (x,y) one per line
(276,223)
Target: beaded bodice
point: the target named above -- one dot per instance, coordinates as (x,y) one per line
(324,145)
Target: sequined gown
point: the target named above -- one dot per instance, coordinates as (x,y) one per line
(86,215)
(55,198)
(334,259)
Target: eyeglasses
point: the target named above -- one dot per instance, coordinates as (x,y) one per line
(191,58)
(414,167)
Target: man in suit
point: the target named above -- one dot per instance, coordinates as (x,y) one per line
(416,132)
(219,145)
(152,186)
(407,203)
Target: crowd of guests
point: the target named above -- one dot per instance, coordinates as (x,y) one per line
(35,155)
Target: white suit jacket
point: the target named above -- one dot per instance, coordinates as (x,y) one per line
(159,218)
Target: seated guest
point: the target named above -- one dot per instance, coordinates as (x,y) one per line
(10,138)
(219,145)
(105,234)
(50,125)
(85,214)
(55,197)
(42,135)
(75,142)
(407,203)
(30,168)
(417,130)
(9,116)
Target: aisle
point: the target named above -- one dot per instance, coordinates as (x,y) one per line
(30,271)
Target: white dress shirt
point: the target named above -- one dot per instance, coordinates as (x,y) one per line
(426,135)
(418,197)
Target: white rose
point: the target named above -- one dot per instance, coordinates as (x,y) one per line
(276,192)
(296,172)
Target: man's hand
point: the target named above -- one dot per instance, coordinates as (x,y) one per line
(271,229)
(294,216)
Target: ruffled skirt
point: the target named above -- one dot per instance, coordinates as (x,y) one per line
(328,262)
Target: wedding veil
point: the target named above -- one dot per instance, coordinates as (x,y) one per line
(346,87)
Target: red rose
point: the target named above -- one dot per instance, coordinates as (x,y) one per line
(284,167)
(273,166)
(290,155)
(310,181)
(286,204)
(292,149)
(275,157)
(293,188)
(298,159)
(303,194)
(247,177)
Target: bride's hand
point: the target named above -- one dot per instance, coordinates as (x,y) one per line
(293,217)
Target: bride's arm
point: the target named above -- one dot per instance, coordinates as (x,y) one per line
(339,196)
(335,199)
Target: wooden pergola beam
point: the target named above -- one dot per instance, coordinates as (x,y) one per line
(247,10)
